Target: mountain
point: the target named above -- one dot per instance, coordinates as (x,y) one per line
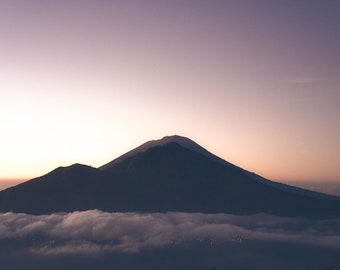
(171,174)
(185,142)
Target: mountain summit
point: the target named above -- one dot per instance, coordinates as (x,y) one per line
(171,174)
(182,141)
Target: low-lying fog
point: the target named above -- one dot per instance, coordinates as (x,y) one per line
(166,241)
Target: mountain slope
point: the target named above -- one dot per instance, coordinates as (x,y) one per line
(183,141)
(63,189)
(169,176)
(191,145)
(173,178)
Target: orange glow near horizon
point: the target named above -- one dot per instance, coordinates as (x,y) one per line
(256,84)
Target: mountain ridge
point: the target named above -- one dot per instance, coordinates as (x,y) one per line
(183,141)
(164,177)
(190,144)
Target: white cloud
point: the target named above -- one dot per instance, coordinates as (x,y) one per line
(93,232)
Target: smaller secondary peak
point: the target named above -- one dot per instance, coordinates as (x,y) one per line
(73,166)
(76,167)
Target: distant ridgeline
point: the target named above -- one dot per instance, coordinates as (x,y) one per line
(171,174)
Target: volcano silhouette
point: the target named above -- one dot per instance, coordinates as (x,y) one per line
(171,174)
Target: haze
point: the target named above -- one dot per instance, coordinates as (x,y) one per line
(254,82)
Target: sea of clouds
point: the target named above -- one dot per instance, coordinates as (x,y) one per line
(93,232)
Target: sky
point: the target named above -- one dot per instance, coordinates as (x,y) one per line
(254,82)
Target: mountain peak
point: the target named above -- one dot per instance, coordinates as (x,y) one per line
(170,139)
(170,174)
(183,141)
(174,138)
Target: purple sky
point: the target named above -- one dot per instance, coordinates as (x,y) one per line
(255,82)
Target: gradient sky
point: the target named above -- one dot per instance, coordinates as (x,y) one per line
(255,82)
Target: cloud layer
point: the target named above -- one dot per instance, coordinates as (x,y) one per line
(93,232)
